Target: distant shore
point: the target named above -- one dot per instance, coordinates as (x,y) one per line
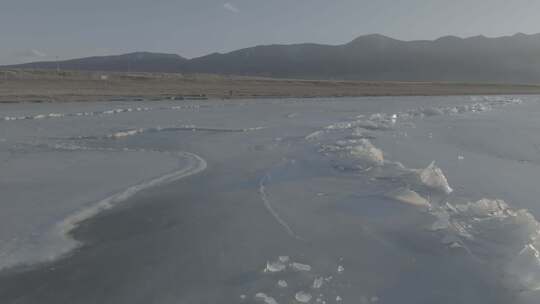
(52,86)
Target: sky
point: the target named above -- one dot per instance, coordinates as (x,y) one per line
(32,30)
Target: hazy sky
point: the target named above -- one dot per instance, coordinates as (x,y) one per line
(44,29)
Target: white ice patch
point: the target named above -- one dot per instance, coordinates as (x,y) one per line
(300,267)
(318,283)
(377,121)
(303,297)
(408,196)
(314,136)
(126,133)
(276,266)
(262,297)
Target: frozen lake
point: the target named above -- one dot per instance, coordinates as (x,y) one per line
(345,200)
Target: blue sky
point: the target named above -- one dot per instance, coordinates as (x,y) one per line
(45,29)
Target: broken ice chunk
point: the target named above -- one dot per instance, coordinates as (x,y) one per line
(283,259)
(485,208)
(433,177)
(265,298)
(408,196)
(525,268)
(303,297)
(318,282)
(367,152)
(300,267)
(277,266)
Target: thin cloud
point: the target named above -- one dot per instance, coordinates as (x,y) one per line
(230,7)
(31,53)
(38,53)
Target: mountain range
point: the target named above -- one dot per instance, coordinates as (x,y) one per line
(508,59)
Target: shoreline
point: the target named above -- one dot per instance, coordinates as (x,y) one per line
(39,86)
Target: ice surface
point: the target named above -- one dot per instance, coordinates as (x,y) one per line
(55,241)
(307,197)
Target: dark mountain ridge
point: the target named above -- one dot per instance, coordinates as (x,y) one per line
(509,59)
